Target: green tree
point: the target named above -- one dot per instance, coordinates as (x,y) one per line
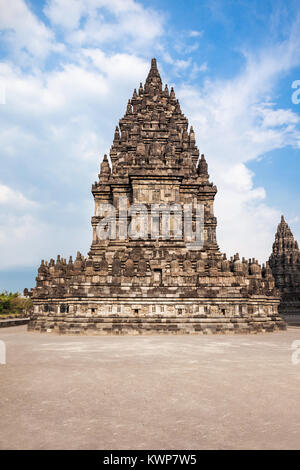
(13,303)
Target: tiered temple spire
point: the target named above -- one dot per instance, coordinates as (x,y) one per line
(285,264)
(154,132)
(284,244)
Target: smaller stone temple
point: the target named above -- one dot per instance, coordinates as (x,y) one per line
(285,264)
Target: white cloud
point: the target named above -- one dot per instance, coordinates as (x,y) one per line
(196,69)
(17,234)
(277,117)
(182,64)
(22,30)
(127,66)
(195,34)
(235,122)
(19,227)
(14,198)
(105,21)
(65,13)
(25,239)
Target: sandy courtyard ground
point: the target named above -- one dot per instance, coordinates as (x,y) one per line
(149,392)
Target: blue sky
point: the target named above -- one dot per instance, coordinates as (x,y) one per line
(68,68)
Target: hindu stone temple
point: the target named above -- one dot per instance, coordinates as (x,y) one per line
(152,283)
(285,264)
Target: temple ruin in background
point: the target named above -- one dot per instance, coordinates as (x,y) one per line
(285,264)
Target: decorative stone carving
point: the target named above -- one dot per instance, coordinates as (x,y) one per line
(129,268)
(116,268)
(154,158)
(284,263)
(103,266)
(142,267)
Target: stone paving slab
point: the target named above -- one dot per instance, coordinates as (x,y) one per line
(149,392)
